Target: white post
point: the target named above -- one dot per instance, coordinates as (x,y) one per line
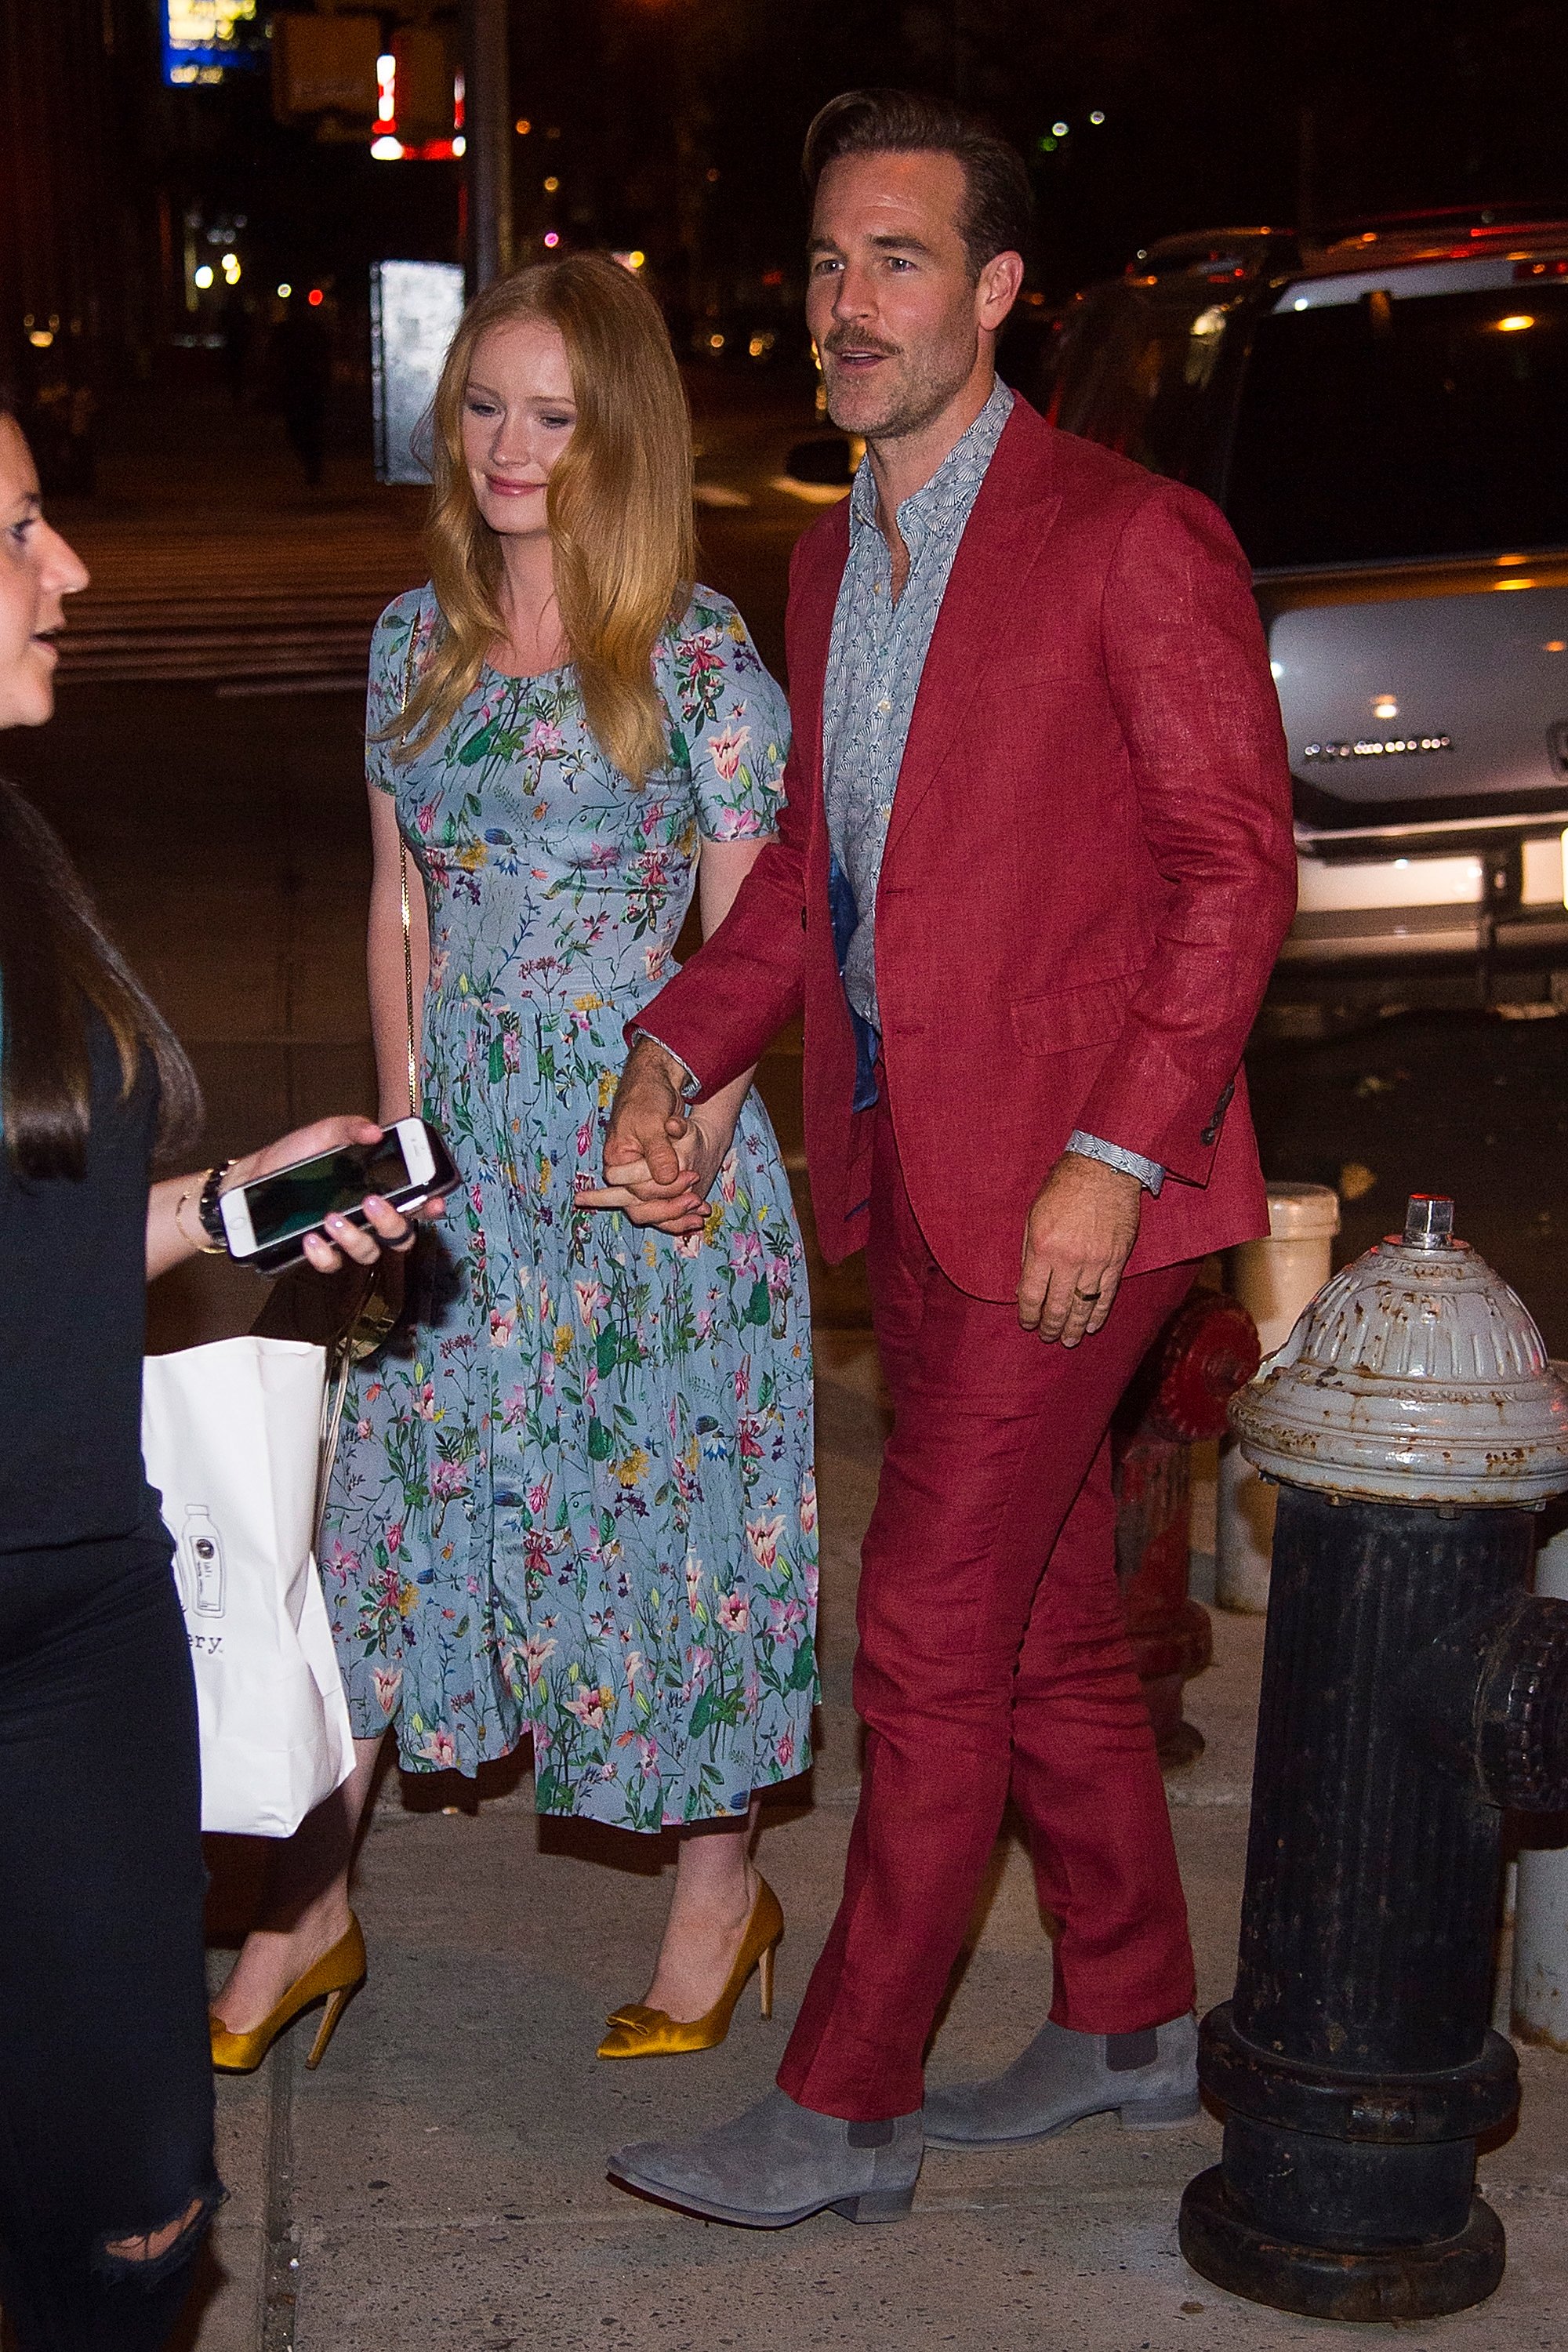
(1540,1906)
(1275,1280)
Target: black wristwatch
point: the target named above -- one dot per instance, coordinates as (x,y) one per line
(208,1210)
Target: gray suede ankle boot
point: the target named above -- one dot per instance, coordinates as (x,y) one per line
(778,2163)
(1148,2077)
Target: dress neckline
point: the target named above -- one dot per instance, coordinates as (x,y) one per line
(525,678)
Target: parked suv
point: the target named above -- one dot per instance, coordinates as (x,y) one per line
(1385,421)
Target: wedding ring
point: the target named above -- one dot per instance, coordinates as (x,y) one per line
(1087,1296)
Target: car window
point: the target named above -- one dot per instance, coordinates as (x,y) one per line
(1135,370)
(1381,429)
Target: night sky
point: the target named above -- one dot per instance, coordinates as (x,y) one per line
(674,126)
(1209,106)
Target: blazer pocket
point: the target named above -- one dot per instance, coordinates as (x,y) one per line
(1090,1014)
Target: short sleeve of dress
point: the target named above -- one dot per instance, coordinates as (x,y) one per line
(733,719)
(389,660)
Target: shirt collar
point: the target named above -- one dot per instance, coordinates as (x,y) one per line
(951,489)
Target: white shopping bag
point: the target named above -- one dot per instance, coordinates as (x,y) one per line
(232,1437)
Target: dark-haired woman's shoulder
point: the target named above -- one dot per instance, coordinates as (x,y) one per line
(731,716)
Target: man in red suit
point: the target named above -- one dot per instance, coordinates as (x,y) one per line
(1033,869)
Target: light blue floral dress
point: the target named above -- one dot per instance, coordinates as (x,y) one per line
(576,1499)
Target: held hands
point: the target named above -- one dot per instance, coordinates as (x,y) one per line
(660,1160)
(1078,1238)
(389,1228)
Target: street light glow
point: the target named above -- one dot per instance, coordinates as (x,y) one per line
(552,238)
(1512,326)
(1097,117)
(284,291)
(1058,131)
(552,184)
(204,275)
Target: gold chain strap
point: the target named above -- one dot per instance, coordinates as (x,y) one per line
(377,1314)
(408,985)
(408,917)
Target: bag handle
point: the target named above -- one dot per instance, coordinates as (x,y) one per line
(408,982)
(407,915)
(359,1341)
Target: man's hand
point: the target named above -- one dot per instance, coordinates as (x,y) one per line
(648,1125)
(680,1209)
(1079,1235)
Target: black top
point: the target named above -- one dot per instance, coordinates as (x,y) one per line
(73,1312)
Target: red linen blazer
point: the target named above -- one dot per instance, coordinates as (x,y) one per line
(1089,872)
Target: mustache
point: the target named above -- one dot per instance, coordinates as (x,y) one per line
(841,340)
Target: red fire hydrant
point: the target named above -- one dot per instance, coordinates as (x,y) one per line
(1208,1350)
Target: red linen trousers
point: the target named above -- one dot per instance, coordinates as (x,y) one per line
(993,1653)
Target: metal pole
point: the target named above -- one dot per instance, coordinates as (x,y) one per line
(487,133)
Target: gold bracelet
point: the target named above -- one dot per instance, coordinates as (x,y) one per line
(207,1248)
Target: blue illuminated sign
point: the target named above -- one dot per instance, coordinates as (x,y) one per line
(205,39)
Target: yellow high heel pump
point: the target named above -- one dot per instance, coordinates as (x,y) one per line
(639,2032)
(336,1977)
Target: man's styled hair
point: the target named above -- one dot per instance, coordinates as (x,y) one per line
(999,203)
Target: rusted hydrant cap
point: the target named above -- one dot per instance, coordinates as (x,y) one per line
(1415,1376)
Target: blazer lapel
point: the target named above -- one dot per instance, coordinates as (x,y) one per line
(988,599)
(812,600)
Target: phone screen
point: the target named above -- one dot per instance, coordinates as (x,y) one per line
(295,1200)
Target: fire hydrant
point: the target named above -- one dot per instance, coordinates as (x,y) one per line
(1412,1690)
(1178,1397)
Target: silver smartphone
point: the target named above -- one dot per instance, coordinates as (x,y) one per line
(265,1222)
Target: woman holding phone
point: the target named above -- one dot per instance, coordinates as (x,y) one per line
(106,2124)
(580,1505)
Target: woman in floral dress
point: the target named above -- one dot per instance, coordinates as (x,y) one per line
(576,1503)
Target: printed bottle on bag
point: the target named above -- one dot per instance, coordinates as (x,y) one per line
(203,1572)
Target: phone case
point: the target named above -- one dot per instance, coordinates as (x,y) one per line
(280,1256)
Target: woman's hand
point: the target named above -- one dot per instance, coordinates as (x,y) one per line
(701,1152)
(173,1236)
(389,1228)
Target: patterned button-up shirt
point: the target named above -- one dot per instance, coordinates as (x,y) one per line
(875,663)
(876,659)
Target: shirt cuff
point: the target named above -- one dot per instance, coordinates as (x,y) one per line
(693,1086)
(1149,1172)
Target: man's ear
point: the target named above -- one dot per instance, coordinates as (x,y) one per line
(998,288)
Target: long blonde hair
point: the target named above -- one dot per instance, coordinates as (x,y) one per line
(619,503)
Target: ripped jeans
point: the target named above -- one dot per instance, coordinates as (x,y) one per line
(106,2101)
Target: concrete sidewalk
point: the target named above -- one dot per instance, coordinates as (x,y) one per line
(439,2182)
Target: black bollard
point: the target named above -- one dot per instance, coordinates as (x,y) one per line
(1412,1689)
